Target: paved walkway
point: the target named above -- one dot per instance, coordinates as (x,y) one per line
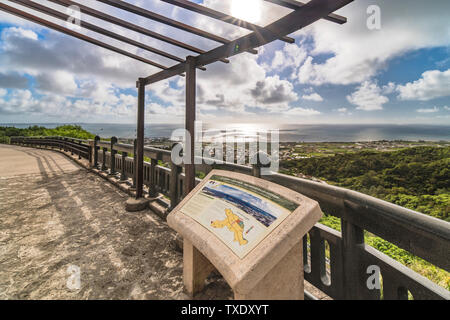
(56,216)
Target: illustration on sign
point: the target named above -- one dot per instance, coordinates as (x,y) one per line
(240,214)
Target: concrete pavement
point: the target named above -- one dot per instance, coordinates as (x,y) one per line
(57,217)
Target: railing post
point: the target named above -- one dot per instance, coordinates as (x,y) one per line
(256,170)
(152,186)
(123,174)
(96,140)
(79,150)
(104,159)
(112,163)
(353,242)
(259,163)
(71,147)
(134,163)
(173,192)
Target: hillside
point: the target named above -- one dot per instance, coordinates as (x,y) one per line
(72,131)
(416,178)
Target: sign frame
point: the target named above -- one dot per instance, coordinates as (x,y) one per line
(246,274)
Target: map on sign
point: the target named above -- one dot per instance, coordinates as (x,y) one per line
(240,214)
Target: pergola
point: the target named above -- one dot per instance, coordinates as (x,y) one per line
(301,16)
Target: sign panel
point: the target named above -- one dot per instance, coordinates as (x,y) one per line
(240,214)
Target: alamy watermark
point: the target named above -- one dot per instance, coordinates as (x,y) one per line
(261,148)
(74,277)
(373,281)
(74,20)
(374,17)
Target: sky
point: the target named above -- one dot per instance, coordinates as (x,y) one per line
(398,73)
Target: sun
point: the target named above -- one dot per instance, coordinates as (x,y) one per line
(247,10)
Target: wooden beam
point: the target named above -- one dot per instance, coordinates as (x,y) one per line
(170,72)
(51,25)
(140,139)
(192,6)
(167,21)
(296,20)
(130,26)
(92,27)
(189,147)
(294,5)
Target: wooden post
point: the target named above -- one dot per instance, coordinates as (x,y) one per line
(96,140)
(152,185)
(189,168)
(140,139)
(79,150)
(133,187)
(104,159)
(173,192)
(256,170)
(352,237)
(112,160)
(123,174)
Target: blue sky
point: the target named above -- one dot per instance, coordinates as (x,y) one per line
(332,74)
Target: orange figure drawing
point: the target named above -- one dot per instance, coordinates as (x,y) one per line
(234,224)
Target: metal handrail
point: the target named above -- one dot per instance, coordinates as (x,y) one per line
(421,235)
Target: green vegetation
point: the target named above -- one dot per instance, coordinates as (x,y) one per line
(71,131)
(417,178)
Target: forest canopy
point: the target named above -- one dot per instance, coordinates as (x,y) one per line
(416,178)
(71,131)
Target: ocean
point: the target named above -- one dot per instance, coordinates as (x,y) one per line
(287,132)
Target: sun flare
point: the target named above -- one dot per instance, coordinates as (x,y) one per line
(247,10)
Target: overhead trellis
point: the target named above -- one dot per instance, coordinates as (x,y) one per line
(302,15)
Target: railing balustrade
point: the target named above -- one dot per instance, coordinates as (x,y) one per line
(349,257)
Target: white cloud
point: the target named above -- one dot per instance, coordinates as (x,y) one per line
(81,75)
(389,88)
(23,53)
(290,56)
(18,32)
(94,78)
(301,112)
(273,90)
(447,108)
(13,80)
(430,110)
(433,84)
(60,82)
(53,106)
(342,110)
(368,97)
(313,97)
(358,54)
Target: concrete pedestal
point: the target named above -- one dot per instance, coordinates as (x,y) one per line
(196,268)
(272,270)
(283,282)
(133,205)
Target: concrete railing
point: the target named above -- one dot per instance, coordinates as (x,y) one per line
(344,274)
